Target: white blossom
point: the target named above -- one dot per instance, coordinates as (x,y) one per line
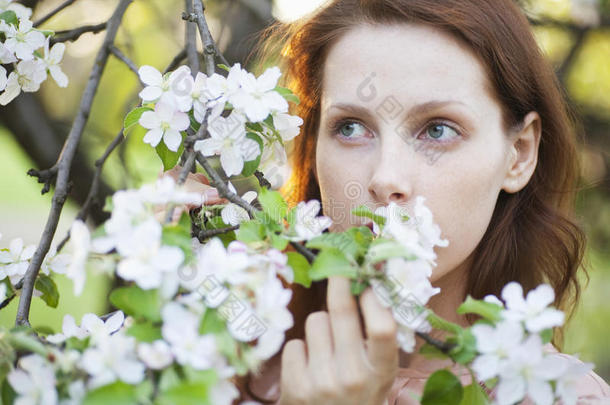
(33,381)
(52,58)
(257,97)
(307,223)
(76,392)
(527,372)
(271,310)
(24,40)
(164,123)
(80,240)
(14,262)
(145,259)
(287,125)
(2,292)
(27,76)
(232,213)
(534,309)
(156,355)
(6,56)
(494,345)
(112,358)
(20,10)
(220,89)
(170,89)
(180,330)
(69,329)
(228,139)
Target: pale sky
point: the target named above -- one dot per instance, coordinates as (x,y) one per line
(288,10)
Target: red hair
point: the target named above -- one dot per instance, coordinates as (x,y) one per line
(532,237)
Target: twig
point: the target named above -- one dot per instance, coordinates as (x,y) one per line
(209,48)
(191,41)
(74,34)
(46,176)
(94,189)
(208,233)
(53,12)
(65,161)
(123,58)
(439,344)
(7,300)
(176,61)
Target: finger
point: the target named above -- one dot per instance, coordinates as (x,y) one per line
(346,329)
(381,328)
(294,378)
(320,354)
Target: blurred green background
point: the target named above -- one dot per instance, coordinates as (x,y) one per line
(575,35)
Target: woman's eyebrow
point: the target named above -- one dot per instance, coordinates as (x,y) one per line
(419,109)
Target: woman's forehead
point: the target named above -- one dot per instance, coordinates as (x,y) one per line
(413,63)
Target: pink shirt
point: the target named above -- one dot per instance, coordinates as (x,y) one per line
(591,388)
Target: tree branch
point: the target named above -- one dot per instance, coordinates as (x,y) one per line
(191,41)
(53,12)
(123,58)
(74,34)
(65,161)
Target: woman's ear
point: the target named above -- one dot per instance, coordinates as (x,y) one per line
(524,153)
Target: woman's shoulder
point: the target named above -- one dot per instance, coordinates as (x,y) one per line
(588,388)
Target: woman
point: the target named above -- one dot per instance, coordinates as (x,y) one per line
(448,99)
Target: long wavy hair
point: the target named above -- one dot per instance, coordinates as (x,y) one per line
(533,236)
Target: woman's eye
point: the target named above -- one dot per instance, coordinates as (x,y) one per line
(441,132)
(349,129)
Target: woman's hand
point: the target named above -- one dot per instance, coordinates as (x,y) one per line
(195,183)
(335,365)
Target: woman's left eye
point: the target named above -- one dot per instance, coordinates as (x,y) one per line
(441,132)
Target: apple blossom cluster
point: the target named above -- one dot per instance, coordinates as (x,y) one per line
(405,287)
(512,350)
(246,116)
(27,52)
(15,260)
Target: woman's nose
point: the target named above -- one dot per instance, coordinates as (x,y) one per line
(393,171)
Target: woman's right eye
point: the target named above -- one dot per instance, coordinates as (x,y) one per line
(348,129)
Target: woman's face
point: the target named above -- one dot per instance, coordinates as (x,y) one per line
(406,111)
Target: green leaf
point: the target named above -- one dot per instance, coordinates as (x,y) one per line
(250,231)
(137,302)
(364,211)
(466,346)
(133,117)
(212,322)
(431,352)
(108,204)
(10,17)
(353,242)
(357,287)
(287,94)
(116,393)
(383,248)
(273,204)
(300,267)
(8,393)
(144,331)
(474,395)
(546,335)
(168,157)
(487,310)
(169,378)
(332,262)
(185,393)
(277,241)
(224,67)
(251,165)
(442,388)
(439,323)
(48,288)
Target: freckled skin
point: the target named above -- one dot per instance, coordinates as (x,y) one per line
(461,179)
